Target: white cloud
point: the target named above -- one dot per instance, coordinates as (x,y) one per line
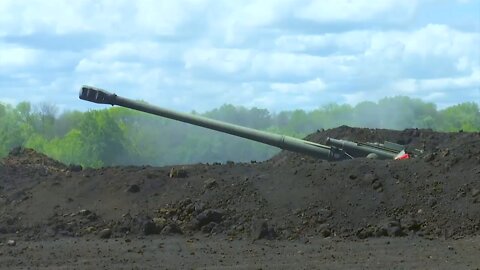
(408,85)
(440,40)
(159,17)
(119,69)
(346,42)
(351,57)
(356,98)
(429,40)
(217,59)
(434,96)
(196,54)
(313,86)
(257,13)
(151,17)
(37,16)
(390,51)
(357,11)
(108,17)
(264,65)
(14,57)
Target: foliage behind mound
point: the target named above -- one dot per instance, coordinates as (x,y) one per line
(116,136)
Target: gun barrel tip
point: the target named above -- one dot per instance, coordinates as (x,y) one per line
(89,93)
(96,95)
(84,92)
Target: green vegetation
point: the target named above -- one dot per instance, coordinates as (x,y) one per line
(116,136)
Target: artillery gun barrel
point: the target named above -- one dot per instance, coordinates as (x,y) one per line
(357,149)
(101,96)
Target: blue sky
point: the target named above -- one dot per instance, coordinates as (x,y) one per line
(275,54)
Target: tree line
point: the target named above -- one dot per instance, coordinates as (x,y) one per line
(118,136)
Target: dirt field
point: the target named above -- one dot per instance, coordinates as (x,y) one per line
(176,252)
(288,212)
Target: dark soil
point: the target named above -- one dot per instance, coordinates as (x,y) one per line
(435,195)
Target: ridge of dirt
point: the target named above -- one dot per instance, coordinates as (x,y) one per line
(289,196)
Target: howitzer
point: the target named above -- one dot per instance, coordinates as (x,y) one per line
(335,150)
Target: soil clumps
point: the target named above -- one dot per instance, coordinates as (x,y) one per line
(291,196)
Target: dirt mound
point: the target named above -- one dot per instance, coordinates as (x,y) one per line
(26,156)
(29,161)
(290,196)
(435,194)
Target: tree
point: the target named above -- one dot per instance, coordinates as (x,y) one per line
(16,127)
(67,121)
(45,119)
(117,136)
(299,122)
(71,149)
(102,138)
(465,116)
(403,112)
(366,114)
(3,110)
(23,110)
(259,118)
(333,115)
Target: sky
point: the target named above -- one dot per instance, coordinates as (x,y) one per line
(275,54)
